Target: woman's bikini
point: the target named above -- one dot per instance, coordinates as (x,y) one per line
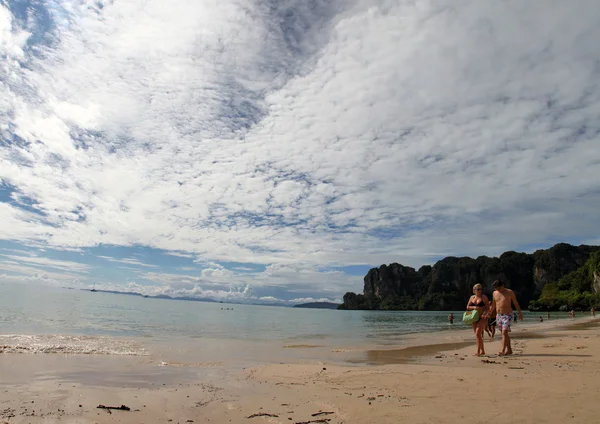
(481,304)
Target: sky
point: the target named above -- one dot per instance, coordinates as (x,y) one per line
(273,151)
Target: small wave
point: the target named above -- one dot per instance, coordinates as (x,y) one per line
(190,365)
(300,346)
(72,345)
(318,336)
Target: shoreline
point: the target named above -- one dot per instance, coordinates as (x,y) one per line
(413,353)
(552,378)
(224,353)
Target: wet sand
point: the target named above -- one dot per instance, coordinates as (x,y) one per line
(552,378)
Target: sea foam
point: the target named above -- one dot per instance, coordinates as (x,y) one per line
(66,344)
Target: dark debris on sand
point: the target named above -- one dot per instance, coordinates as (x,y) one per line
(120,408)
(262,414)
(316,414)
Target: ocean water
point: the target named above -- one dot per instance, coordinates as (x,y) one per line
(42,319)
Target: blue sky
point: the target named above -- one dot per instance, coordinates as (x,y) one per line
(274,151)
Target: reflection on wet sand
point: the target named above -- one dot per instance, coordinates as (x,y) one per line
(408,354)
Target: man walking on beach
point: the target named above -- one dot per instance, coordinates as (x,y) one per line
(502,302)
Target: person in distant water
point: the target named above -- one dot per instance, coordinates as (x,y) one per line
(502,301)
(548,315)
(593,312)
(451,318)
(480,303)
(541,319)
(572,313)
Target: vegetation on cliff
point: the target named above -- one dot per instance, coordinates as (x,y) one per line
(448,283)
(579,289)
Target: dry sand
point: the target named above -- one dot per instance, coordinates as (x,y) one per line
(554,377)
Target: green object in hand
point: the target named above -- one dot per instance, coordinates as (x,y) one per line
(470,317)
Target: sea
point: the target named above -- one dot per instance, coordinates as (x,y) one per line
(38,319)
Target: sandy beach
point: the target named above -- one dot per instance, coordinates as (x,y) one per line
(552,378)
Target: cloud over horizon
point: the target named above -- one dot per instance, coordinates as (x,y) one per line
(275,145)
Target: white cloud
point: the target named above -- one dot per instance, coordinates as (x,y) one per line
(26,273)
(12,40)
(186,288)
(187,268)
(243,268)
(285,281)
(219,275)
(129,268)
(312,299)
(129,261)
(19,251)
(364,133)
(241,294)
(43,262)
(180,255)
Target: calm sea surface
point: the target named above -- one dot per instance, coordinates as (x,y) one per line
(54,320)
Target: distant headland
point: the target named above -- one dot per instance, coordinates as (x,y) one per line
(562,277)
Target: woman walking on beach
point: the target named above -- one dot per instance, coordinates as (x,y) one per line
(480,303)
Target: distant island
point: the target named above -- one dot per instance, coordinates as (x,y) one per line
(559,278)
(318,305)
(159,296)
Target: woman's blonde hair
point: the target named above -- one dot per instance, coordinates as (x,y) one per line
(477,286)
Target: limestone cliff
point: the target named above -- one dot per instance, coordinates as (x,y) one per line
(448,284)
(554,263)
(393,279)
(577,290)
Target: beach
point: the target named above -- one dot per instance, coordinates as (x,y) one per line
(552,378)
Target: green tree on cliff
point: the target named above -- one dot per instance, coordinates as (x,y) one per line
(578,289)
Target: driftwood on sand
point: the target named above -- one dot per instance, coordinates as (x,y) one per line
(120,408)
(316,414)
(262,414)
